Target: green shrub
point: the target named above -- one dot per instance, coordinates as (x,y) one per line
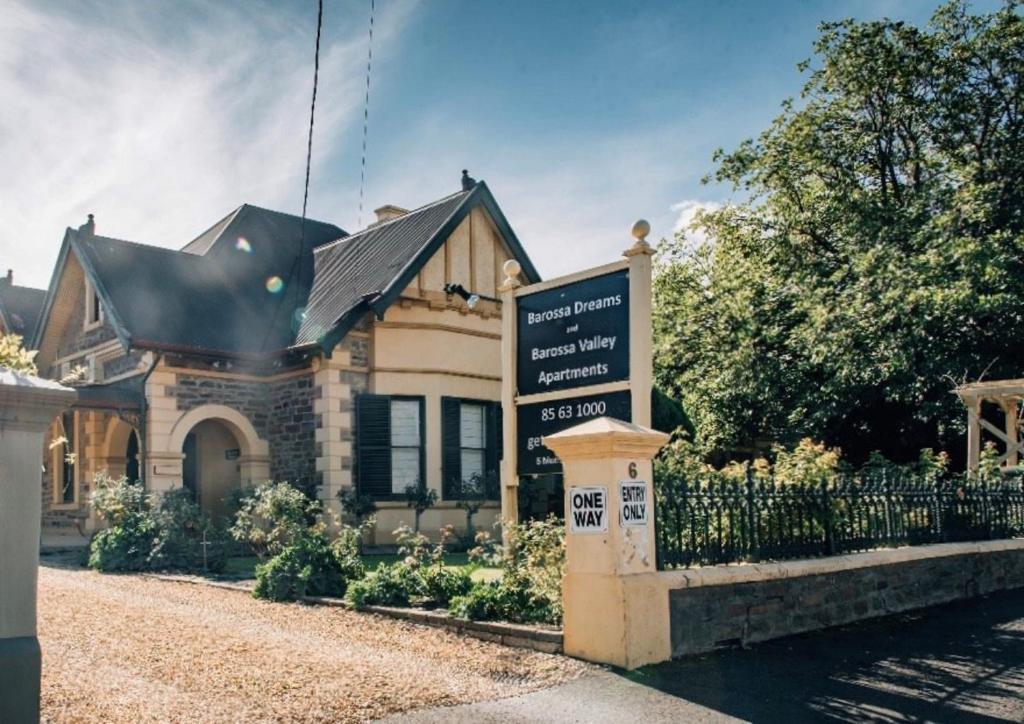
(124,547)
(308,567)
(146,532)
(441,584)
(186,539)
(389,585)
(532,567)
(126,544)
(272,517)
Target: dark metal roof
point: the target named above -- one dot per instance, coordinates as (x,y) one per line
(367,262)
(123,395)
(368,270)
(20,307)
(238,296)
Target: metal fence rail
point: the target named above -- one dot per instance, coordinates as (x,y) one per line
(709,520)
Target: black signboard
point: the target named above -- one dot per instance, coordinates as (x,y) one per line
(546,418)
(574,336)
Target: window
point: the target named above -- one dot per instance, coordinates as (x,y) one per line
(405,444)
(471,438)
(64,459)
(389,444)
(473,441)
(93,309)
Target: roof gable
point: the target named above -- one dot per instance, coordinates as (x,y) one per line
(368,270)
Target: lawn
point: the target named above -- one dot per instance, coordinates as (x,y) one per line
(244,566)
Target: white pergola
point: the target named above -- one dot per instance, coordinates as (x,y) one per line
(1007,394)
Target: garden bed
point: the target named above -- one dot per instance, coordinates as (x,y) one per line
(547,639)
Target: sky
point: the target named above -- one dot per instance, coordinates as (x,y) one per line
(582,116)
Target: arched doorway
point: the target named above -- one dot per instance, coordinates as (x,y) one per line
(211,469)
(121,450)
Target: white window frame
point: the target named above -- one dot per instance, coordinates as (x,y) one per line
(93,308)
(417,404)
(463,448)
(57,461)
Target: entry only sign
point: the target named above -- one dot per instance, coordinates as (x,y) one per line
(575,335)
(633,504)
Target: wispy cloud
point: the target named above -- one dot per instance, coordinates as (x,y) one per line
(160,122)
(687,211)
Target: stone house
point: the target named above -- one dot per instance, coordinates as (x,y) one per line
(268,348)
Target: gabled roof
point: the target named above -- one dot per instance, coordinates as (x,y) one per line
(368,270)
(20,307)
(233,293)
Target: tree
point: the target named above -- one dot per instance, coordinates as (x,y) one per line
(14,357)
(878,258)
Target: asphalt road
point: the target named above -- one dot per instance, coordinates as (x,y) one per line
(962,662)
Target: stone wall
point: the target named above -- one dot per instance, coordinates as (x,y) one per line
(291,430)
(280,410)
(736,605)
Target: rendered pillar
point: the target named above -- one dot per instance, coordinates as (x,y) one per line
(509,462)
(27,407)
(973,433)
(1012,438)
(615,610)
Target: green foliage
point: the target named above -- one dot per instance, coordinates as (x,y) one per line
(272,517)
(668,415)
(186,538)
(421,578)
(878,257)
(308,566)
(146,532)
(532,566)
(359,505)
(14,357)
(289,528)
(419,497)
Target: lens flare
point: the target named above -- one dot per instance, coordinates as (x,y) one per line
(243,245)
(275,285)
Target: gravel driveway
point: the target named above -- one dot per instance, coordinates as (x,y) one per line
(132,649)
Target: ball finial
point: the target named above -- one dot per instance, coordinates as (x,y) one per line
(641,229)
(511,268)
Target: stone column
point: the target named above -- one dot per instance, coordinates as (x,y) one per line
(27,407)
(615,610)
(163,469)
(333,410)
(641,342)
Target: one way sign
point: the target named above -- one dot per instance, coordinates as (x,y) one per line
(588,509)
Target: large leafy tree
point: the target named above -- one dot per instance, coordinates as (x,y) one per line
(878,258)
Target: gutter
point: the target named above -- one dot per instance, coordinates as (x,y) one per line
(143,410)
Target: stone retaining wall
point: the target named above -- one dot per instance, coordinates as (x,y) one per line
(735,605)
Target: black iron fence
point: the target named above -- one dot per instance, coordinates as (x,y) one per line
(709,520)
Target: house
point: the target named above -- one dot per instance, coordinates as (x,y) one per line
(272,348)
(19,307)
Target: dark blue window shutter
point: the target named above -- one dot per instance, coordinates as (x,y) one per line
(494,451)
(451,444)
(373,445)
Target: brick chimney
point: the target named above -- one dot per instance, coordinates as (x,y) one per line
(10,277)
(89,227)
(387,212)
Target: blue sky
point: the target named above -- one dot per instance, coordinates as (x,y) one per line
(161,117)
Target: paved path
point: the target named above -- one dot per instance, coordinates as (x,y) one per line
(958,663)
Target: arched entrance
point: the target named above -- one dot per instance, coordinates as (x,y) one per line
(121,450)
(220,451)
(211,469)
